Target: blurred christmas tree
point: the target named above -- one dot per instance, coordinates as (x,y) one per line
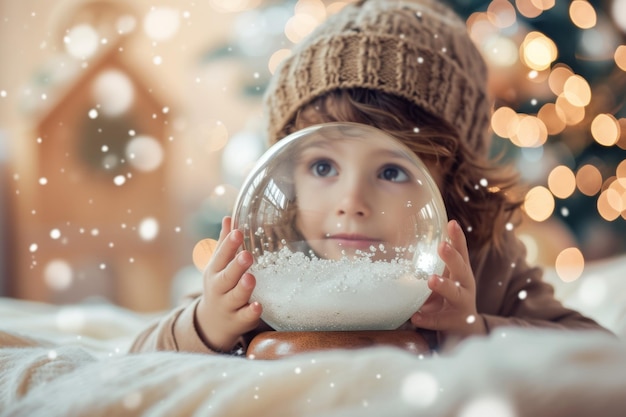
(565,82)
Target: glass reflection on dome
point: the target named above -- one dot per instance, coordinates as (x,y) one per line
(343,222)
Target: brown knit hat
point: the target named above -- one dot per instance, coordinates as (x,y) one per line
(419,50)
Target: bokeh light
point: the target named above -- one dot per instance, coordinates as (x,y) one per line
(571,114)
(543,4)
(528,8)
(577,91)
(119,180)
(539,203)
(548,114)
(500,51)
(114,92)
(558,76)
(529,132)
(538,51)
(611,201)
(501,121)
(144,153)
(58,274)
(589,179)
(82,41)
(313,8)
(605,129)
(307,15)
(501,13)
(569,264)
(620,56)
(562,181)
(299,26)
(525,131)
(161,23)
(148,228)
(582,14)
(276,58)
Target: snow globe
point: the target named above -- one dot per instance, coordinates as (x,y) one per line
(343,222)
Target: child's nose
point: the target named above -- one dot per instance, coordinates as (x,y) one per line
(354,202)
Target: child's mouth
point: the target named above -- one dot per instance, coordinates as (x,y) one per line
(355,241)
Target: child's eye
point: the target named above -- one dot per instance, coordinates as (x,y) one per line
(394,174)
(323,169)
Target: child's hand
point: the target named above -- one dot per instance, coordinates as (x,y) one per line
(451,308)
(224,312)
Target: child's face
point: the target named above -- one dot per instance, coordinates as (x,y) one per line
(353,195)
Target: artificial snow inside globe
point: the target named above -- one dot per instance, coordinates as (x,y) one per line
(343,222)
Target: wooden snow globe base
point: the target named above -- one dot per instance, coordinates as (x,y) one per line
(276,345)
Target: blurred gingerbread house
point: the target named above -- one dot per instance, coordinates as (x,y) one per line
(92,217)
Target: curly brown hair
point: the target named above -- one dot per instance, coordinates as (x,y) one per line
(480,192)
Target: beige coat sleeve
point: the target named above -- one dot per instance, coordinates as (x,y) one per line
(509,292)
(175,331)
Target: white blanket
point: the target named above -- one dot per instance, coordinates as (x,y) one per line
(72,361)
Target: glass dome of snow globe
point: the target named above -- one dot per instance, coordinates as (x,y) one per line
(343,222)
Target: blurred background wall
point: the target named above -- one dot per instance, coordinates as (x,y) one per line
(126,128)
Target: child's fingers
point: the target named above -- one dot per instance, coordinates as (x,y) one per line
(425,320)
(434,303)
(441,321)
(226,228)
(458,240)
(225,251)
(250,314)
(447,288)
(229,277)
(240,295)
(457,268)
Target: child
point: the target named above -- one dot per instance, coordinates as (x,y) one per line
(341,214)
(410,69)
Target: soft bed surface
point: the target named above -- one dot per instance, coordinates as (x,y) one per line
(73,361)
